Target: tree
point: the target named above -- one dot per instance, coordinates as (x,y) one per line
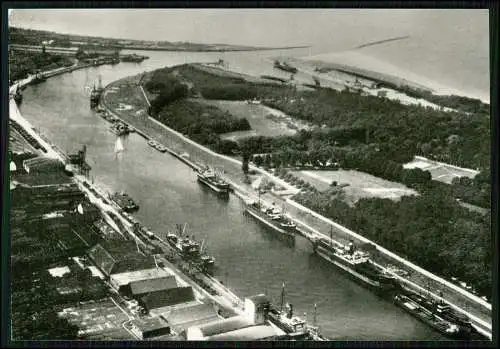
(258,160)
(244,165)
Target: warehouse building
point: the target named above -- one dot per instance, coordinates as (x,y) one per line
(252,325)
(186,315)
(42,165)
(150,327)
(165,298)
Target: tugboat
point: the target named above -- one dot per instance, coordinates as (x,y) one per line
(120,129)
(125,202)
(210,178)
(285,67)
(133,58)
(272,217)
(355,262)
(294,326)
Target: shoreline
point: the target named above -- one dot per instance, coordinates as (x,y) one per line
(400,80)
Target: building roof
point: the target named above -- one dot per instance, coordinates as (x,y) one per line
(122,279)
(59,271)
(41,161)
(197,312)
(152,285)
(223,326)
(149,324)
(246,334)
(163,298)
(102,258)
(259,299)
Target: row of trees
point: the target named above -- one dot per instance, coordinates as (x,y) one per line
(431,230)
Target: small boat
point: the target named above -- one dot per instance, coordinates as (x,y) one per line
(120,129)
(124,201)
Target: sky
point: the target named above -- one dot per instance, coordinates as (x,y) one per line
(449,45)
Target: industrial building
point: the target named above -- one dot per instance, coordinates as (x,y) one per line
(150,327)
(42,164)
(166,298)
(185,315)
(140,282)
(252,325)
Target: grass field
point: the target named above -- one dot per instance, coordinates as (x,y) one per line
(439,171)
(359,184)
(256,114)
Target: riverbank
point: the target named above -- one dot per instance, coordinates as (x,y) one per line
(233,174)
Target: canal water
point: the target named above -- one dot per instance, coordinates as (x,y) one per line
(251,259)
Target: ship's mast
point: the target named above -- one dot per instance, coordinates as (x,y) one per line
(314,316)
(282,297)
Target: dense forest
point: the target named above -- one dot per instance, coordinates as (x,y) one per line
(22,63)
(431,230)
(201,122)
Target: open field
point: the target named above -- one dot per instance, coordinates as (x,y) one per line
(256,114)
(440,172)
(360,185)
(100,320)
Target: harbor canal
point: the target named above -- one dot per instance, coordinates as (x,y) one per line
(250,259)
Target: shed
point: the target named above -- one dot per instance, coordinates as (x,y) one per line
(42,164)
(120,280)
(260,332)
(163,298)
(192,315)
(142,287)
(217,327)
(150,327)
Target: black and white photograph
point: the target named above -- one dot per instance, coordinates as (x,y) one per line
(249,174)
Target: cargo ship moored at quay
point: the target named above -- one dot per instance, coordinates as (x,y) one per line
(357,263)
(273,218)
(438,315)
(213,180)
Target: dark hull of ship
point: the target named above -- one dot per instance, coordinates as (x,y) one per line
(426,317)
(358,274)
(288,69)
(213,186)
(126,206)
(285,232)
(466,330)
